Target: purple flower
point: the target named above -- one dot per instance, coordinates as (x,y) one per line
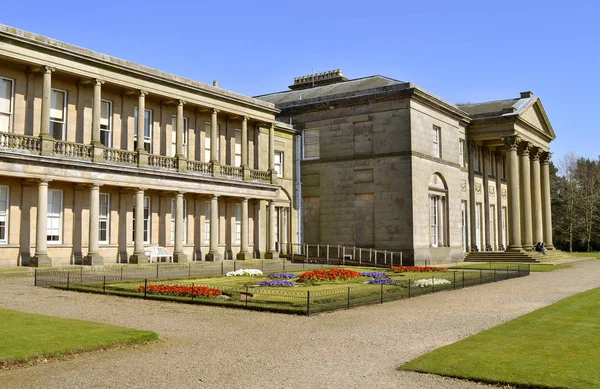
(384,281)
(373,274)
(282,275)
(276,283)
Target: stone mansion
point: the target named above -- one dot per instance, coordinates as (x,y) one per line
(101,158)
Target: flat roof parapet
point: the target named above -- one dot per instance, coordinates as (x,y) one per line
(318,79)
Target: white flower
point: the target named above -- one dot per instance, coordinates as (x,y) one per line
(244,272)
(423,282)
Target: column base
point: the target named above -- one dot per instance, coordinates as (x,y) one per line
(40,260)
(138,258)
(500,247)
(551,247)
(528,247)
(271,255)
(179,257)
(198,256)
(474,249)
(213,257)
(243,256)
(488,247)
(93,259)
(514,249)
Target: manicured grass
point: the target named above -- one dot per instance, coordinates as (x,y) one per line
(534,267)
(591,255)
(26,337)
(554,347)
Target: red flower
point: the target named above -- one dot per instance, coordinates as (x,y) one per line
(327,275)
(181,290)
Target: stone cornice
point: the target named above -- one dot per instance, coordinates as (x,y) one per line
(383,155)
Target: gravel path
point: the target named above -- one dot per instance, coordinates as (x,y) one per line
(211,347)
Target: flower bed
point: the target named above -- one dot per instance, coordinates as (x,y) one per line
(418,269)
(327,275)
(373,274)
(282,275)
(384,281)
(181,291)
(425,282)
(244,272)
(276,283)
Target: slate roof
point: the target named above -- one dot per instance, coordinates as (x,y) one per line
(497,108)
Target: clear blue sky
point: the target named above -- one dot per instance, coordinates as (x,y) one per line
(465,51)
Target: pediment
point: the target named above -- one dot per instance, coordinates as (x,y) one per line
(534,116)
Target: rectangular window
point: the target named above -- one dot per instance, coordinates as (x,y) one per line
(490,163)
(461,152)
(502,174)
(279,163)
(476,166)
(174,136)
(147,128)
(434,220)
(146,219)
(58,113)
(493,226)
(104,218)
(238,148)
(463,223)
(207,143)
(436,141)
(311,143)
(106,123)
(238,223)
(173,204)
(3,214)
(6,104)
(54,218)
(503,226)
(478,225)
(207,222)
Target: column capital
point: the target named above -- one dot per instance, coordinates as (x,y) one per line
(180,193)
(535,153)
(140,190)
(245,119)
(181,102)
(545,157)
(525,148)
(245,199)
(214,196)
(215,111)
(511,142)
(142,93)
(272,125)
(43,181)
(98,82)
(49,69)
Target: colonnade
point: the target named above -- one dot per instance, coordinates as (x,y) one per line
(93,256)
(528,191)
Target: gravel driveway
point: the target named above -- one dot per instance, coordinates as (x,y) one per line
(211,347)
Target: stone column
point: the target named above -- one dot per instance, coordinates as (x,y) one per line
(178,255)
(472,151)
(244,253)
(525,185)
(93,257)
(41,257)
(536,196)
(214,141)
(179,136)
(486,199)
(138,245)
(271,251)
(514,209)
(546,204)
(140,121)
(213,250)
(245,142)
(46,100)
(96,109)
(501,242)
(272,148)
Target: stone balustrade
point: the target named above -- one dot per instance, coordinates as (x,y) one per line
(121,157)
(232,172)
(162,162)
(23,143)
(201,168)
(260,176)
(72,150)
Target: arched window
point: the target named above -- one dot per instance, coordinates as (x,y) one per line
(438,211)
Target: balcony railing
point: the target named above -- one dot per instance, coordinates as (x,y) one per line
(99,154)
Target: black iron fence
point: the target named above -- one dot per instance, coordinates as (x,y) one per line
(159,284)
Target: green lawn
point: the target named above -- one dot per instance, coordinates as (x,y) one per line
(591,255)
(26,337)
(534,267)
(554,347)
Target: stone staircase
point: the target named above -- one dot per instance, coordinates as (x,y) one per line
(517,257)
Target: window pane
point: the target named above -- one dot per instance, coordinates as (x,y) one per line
(57,105)
(5,95)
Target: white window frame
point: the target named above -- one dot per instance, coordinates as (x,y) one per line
(147,218)
(238,223)
(237,149)
(476,163)
(461,152)
(493,226)
(174,136)
(55,120)
(147,126)
(312,135)
(54,216)
(503,226)
(278,162)
(11,105)
(173,204)
(434,219)
(104,219)
(478,235)
(207,222)
(437,137)
(4,207)
(106,128)
(207,130)
(463,223)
